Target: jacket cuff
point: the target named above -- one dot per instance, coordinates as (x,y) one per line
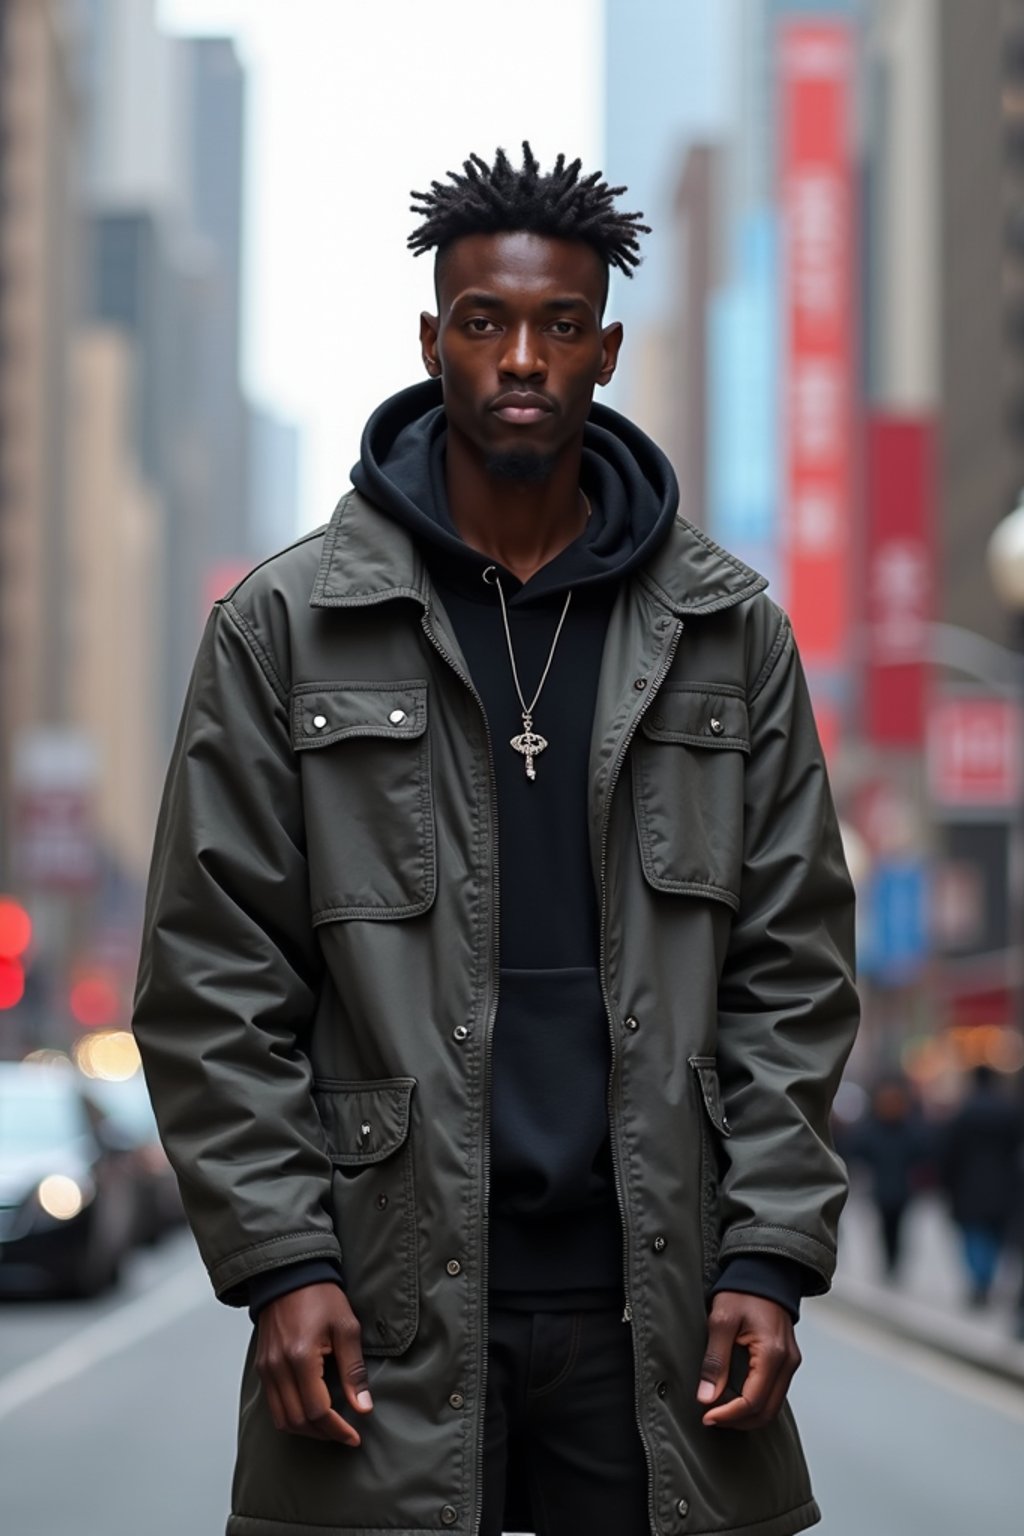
(776,1279)
(269,1284)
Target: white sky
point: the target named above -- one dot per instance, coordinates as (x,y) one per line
(352,103)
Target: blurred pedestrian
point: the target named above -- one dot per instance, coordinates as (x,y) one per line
(979,1149)
(526,1146)
(892,1144)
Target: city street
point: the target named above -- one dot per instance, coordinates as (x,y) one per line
(117,1418)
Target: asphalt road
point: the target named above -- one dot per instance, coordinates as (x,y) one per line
(117,1419)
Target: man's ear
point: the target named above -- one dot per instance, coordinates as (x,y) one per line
(611,341)
(429,326)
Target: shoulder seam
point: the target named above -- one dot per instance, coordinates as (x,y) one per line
(778,645)
(314,533)
(256,646)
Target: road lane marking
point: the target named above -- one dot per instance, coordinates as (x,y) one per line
(957,1376)
(118,1331)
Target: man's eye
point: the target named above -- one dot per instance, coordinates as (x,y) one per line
(480,325)
(563,327)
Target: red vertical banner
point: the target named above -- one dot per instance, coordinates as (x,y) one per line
(900,572)
(816,69)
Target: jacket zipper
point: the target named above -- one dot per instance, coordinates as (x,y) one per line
(613,1079)
(488,1038)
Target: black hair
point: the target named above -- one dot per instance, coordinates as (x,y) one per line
(495,199)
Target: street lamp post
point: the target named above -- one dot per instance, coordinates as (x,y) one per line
(1006,570)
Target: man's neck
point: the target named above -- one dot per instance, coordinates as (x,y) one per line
(521,525)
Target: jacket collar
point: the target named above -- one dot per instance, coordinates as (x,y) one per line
(367,558)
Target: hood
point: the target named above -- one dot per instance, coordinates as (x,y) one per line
(628,480)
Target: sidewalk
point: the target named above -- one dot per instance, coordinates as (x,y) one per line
(927,1302)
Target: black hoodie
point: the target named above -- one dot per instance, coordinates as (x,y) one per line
(554,1218)
(555,1232)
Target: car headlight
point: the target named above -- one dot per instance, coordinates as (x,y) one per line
(63,1197)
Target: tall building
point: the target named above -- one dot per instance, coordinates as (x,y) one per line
(981,158)
(687,411)
(163,163)
(273,482)
(116,599)
(666,85)
(38,247)
(216,140)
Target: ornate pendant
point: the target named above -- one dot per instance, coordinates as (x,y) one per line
(529,744)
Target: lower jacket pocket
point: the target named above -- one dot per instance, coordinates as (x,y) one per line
(374,1196)
(713,1127)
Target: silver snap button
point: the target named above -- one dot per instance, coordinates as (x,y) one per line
(456,1400)
(632,1024)
(682,1507)
(453,1267)
(640,684)
(449,1515)
(659,1244)
(382,1202)
(365,1129)
(716,727)
(397,716)
(460,1033)
(319,721)
(662,1389)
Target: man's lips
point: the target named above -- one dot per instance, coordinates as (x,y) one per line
(521,409)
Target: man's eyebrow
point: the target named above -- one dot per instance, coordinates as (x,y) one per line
(493,301)
(479,300)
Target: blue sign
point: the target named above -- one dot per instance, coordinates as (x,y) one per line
(894,943)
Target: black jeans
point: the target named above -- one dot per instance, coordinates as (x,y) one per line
(560,1434)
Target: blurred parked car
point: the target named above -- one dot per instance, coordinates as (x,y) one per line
(158,1203)
(67,1194)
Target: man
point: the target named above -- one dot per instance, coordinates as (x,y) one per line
(497,974)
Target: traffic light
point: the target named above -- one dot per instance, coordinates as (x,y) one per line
(15,938)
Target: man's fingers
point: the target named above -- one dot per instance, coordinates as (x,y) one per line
(297,1332)
(318,1417)
(346,1339)
(764,1390)
(723,1326)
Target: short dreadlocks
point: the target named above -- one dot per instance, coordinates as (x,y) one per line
(492,199)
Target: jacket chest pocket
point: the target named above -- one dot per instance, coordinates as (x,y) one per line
(365,755)
(689,767)
(374,1205)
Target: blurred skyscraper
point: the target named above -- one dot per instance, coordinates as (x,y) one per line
(39,123)
(125,497)
(273,482)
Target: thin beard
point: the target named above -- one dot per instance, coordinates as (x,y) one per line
(520,464)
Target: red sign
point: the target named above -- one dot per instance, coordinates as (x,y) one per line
(900,577)
(816,77)
(974,752)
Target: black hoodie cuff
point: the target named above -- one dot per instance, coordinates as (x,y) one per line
(269,1284)
(776,1279)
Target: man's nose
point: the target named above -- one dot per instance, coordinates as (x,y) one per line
(522,357)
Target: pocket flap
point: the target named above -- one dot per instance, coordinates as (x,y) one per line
(327,712)
(698,717)
(365,1122)
(711,1093)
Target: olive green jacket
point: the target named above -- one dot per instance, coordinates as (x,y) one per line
(318,988)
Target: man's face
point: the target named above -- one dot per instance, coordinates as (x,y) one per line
(519,345)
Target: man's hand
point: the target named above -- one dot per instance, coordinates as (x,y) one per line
(295,1334)
(766,1331)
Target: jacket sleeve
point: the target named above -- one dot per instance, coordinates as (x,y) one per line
(788,1007)
(230,971)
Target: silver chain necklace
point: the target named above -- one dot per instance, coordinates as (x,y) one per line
(529,743)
